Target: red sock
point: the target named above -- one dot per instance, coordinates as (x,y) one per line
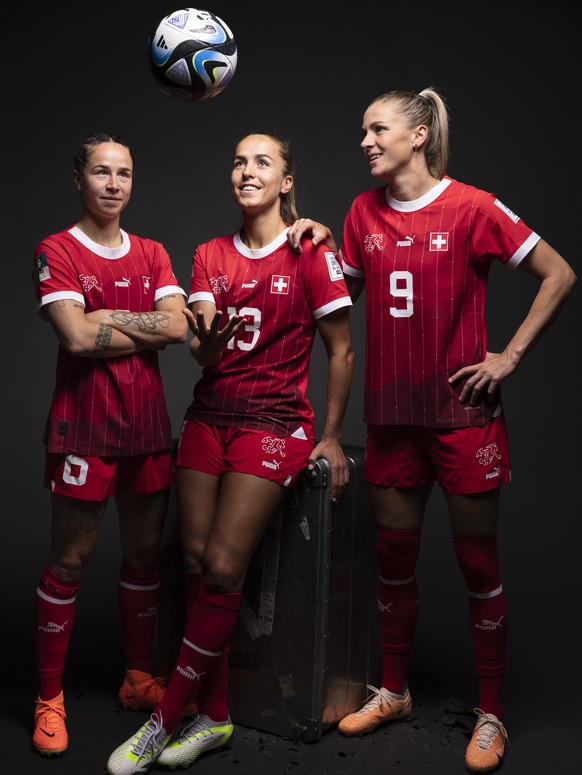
(478,560)
(211,620)
(397,601)
(54,614)
(213,695)
(138,594)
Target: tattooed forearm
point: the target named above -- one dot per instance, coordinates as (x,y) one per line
(102,339)
(144,320)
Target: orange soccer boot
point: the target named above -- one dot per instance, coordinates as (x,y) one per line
(50,736)
(380,707)
(487,746)
(141,691)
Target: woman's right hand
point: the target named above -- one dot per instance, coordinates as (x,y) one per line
(305,227)
(209,341)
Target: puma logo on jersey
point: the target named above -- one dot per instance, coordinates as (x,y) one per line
(405,243)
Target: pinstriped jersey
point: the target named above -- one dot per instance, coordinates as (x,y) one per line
(261,379)
(425,264)
(105,406)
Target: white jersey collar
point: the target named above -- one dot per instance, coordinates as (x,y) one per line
(423,201)
(101,250)
(260,252)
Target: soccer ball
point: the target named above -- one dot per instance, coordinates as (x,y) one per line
(192,54)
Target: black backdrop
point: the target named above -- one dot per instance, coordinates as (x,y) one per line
(509,75)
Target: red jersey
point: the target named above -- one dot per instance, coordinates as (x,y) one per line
(261,379)
(426,265)
(105,406)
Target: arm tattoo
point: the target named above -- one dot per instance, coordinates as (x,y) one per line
(102,340)
(144,320)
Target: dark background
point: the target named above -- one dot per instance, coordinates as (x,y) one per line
(509,73)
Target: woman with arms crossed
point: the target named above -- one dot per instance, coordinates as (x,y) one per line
(113,302)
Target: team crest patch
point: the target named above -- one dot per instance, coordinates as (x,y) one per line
(280,283)
(486,455)
(89,282)
(333,266)
(438,241)
(219,284)
(273,445)
(372,241)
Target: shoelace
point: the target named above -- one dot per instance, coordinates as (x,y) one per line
(488,726)
(150,685)
(51,718)
(376,699)
(47,718)
(151,740)
(197,728)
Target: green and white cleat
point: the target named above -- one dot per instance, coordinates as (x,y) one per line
(139,752)
(199,736)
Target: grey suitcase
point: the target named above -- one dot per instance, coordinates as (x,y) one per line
(306,643)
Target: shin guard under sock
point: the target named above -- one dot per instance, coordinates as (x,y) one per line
(54,615)
(397,552)
(210,623)
(138,595)
(478,561)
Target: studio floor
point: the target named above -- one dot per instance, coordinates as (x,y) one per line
(542,695)
(543,735)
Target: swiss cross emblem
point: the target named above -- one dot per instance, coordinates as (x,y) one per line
(439,240)
(280,283)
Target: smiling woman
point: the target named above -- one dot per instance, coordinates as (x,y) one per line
(254,309)
(422,245)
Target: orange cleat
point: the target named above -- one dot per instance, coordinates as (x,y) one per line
(487,746)
(382,706)
(50,736)
(141,691)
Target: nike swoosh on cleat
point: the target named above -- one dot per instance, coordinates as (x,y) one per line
(48,734)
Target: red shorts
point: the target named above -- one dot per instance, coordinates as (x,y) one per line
(93,478)
(463,460)
(214,449)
